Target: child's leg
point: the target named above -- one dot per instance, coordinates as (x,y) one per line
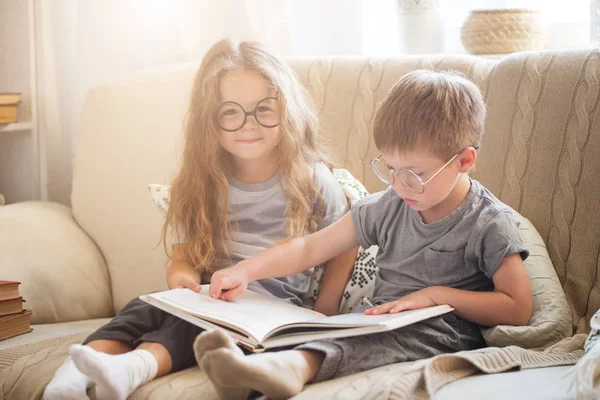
(110,346)
(68,383)
(216,339)
(167,349)
(278,375)
(429,338)
(112,338)
(212,340)
(284,374)
(115,376)
(118,336)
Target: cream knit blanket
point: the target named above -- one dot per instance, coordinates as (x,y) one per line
(24,371)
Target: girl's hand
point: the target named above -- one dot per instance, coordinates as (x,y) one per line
(229,283)
(419,299)
(180,273)
(184,280)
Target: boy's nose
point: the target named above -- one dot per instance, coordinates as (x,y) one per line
(400,186)
(402,190)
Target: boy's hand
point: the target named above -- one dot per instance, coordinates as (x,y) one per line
(184,280)
(229,283)
(419,299)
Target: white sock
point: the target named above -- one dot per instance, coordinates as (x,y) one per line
(68,383)
(115,376)
(278,375)
(216,339)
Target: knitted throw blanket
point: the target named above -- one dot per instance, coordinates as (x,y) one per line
(441,370)
(25,376)
(422,379)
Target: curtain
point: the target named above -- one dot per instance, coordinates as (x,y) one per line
(83,43)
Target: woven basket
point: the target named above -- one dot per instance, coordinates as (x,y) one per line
(503,31)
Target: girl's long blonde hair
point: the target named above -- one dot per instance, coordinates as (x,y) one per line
(199,199)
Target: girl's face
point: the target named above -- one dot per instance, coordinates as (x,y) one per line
(252,142)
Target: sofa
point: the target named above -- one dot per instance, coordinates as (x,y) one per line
(79,265)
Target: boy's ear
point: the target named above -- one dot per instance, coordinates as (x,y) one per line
(467,159)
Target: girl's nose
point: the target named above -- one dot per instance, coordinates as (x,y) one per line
(251,122)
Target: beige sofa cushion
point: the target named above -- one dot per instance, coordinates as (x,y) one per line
(63,275)
(550,321)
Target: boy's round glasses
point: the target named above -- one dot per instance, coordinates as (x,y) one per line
(408,178)
(231,116)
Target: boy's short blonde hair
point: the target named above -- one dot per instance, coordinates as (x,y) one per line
(441,112)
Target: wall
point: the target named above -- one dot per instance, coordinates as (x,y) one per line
(15,147)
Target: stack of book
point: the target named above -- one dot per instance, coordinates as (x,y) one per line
(8,107)
(14,320)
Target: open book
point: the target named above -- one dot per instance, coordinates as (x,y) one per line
(258,322)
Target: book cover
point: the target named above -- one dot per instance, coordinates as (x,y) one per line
(11,306)
(8,114)
(9,290)
(16,324)
(7,99)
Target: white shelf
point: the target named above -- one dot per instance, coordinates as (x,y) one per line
(19,126)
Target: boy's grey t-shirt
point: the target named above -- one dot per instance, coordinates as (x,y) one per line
(259,212)
(462,250)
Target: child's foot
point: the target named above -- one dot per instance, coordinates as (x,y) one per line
(68,383)
(211,340)
(279,375)
(115,376)
(216,339)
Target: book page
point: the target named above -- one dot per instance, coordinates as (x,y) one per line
(357,320)
(253,313)
(347,325)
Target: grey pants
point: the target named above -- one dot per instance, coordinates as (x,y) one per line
(141,322)
(444,334)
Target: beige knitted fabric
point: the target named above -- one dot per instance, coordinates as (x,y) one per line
(30,374)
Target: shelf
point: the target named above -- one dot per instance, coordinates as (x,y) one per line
(19,126)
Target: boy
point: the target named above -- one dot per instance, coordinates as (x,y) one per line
(443,239)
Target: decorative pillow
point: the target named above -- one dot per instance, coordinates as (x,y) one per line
(362,280)
(160,197)
(550,320)
(587,370)
(593,339)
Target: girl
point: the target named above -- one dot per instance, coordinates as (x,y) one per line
(253,174)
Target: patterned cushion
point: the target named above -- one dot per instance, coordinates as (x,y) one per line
(160,197)
(593,338)
(363,278)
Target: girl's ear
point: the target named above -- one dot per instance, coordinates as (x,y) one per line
(467,159)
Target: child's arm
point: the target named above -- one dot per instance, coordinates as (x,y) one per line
(285,259)
(335,277)
(180,273)
(509,304)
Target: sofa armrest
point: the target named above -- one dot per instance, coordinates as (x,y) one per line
(63,275)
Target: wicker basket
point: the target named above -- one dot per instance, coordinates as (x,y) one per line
(503,31)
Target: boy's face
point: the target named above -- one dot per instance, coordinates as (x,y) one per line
(425,165)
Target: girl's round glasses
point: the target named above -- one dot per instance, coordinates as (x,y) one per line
(231,116)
